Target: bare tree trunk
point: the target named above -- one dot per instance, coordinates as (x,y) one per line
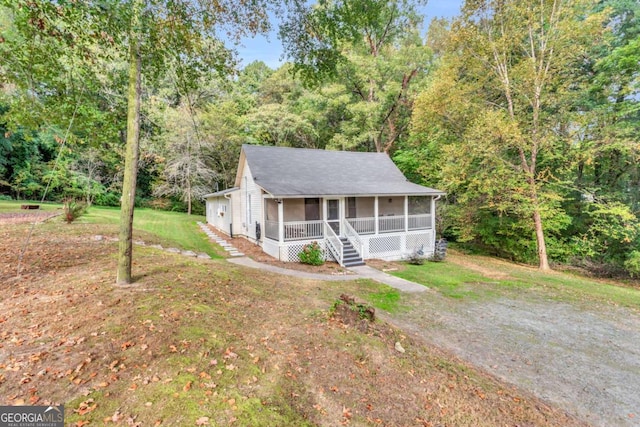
(540,240)
(125,247)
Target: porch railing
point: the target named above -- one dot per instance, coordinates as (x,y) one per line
(305,230)
(363,225)
(390,224)
(333,242)
(302,230)
(419,222)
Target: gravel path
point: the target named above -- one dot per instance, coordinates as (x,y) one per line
(584,361)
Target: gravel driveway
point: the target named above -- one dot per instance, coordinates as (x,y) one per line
(586,361)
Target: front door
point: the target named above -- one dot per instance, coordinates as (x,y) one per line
(333,214)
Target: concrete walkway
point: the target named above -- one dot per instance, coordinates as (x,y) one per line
(363,271)
(248,262)
(393,281)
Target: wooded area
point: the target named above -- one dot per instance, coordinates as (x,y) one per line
(525,113)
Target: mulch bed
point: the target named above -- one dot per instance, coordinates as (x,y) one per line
(255,252)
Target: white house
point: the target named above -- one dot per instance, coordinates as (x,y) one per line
(355,205)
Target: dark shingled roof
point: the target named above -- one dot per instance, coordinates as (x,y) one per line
(220,193)
(284,171)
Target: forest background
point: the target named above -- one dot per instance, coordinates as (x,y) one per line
(525,113)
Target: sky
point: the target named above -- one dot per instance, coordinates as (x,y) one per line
(269,49)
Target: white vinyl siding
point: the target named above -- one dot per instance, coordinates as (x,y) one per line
(250,204)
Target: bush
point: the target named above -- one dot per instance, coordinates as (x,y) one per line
(107,199)
(312,254)
(632,264)
(416,258)
(73,210)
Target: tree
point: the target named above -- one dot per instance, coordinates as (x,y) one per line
(151,33)
(188,171)
(508,61)
(373,49)
(185,31)
(127,202)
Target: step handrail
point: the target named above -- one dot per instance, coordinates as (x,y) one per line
(334,244)
(353,237)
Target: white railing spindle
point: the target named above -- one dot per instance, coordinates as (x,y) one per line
(334,244)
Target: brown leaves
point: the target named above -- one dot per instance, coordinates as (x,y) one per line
(202,421)
(85,407)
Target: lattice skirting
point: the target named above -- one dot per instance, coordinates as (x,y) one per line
(397,245)
(289,251)
(391,246)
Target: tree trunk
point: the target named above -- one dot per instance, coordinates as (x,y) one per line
(542,246)
(189,201)
(125,247)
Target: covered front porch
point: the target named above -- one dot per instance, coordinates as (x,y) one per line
(386,227)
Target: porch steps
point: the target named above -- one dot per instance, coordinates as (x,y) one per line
(350,257)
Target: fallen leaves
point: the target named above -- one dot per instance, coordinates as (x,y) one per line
(85,407)
(127,344)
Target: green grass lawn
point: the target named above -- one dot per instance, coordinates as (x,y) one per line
(155,226)
(456,281)
(170,229)
(7,206)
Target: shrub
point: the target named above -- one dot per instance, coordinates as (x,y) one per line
(73,210)
(312,254)
(107,199)
(416,258)
(632,264)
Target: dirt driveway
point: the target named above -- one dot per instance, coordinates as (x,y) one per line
(586,361)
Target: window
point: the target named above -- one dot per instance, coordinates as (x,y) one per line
(311,209)
(351,207)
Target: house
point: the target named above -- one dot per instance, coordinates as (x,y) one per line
(355,205)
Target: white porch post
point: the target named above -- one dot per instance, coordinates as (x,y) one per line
(433,215)
(281,221)
(375,214)
(406,213)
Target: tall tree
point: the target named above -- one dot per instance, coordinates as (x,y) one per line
(186,32)
(127,202)
(189,168)
(153,33)
(510,61)
(373,49)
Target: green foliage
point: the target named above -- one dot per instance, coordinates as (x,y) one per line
(107,199)
(312,254)
(612,233)
(73,210)
(632,264)
(372,54)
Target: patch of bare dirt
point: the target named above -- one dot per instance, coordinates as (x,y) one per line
(27,217)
